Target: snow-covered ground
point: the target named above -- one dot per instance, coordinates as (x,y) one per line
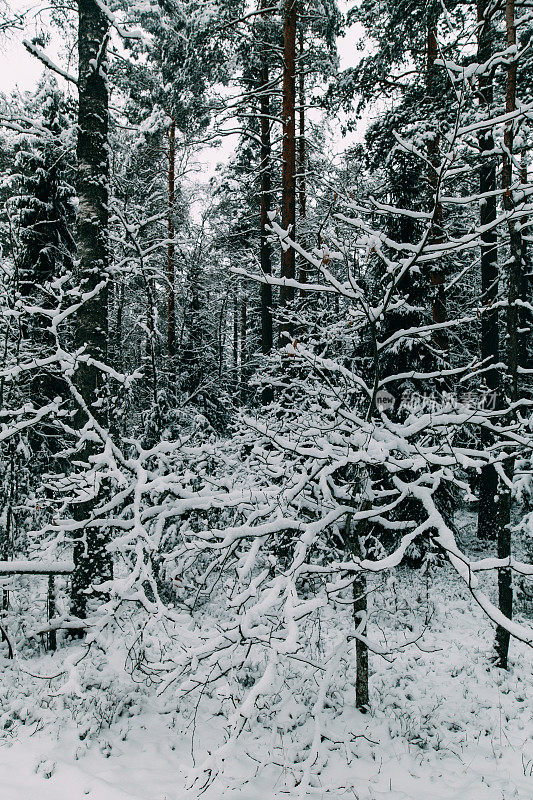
(443,725)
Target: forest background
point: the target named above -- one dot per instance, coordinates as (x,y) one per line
(266,429)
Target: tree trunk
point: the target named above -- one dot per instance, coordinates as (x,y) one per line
(51,612)
(302,275)
(525,315)
(437,277)
(266,188)
(288,177)
(91,560)
(118,332)
(235,347)
(267,337)
(505,585)
(244,325)
(354,535)
(488,484)
(151,360)
(171,275)
(360,606)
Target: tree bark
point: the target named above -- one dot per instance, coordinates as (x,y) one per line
(490,349)
(150,355)
(360,607)
(437,278)
(51,612)
(235,344)
(354,544)
(525,315)
(244,326)
(302,154)
(171,273)
(288,262)
(91,560)
(267,336)
(92,221)
(505,585)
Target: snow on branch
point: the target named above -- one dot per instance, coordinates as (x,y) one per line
(39,53)
(122,32)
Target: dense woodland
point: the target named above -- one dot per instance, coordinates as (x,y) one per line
(241,410)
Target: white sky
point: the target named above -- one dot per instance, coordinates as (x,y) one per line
(18,69)
(21,71)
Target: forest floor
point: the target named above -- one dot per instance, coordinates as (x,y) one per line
(443,725)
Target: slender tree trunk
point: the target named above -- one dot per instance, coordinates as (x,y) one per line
(302,155)
(266,188)
(267,337)
(488,484)
(288,178)
(360,606)
(151,359)
(51,612)
(119,301)
(505,585)
(6,510)
(91,560)
(171,273)
(437,277)
(515,237)
(235,348)
(525,315)
(221,336)
(244,325)
(265,255)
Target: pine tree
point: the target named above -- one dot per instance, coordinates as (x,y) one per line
(42,212)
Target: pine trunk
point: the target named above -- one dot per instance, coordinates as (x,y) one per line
(267,336)
(91,560)
(235,347)
(488,484)
(171,276)
(288,262)
(505,585)
(302,155)
(265,190)
(525,314)
(437,278)
(244,326)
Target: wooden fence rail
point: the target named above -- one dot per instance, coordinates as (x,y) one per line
(36,567)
